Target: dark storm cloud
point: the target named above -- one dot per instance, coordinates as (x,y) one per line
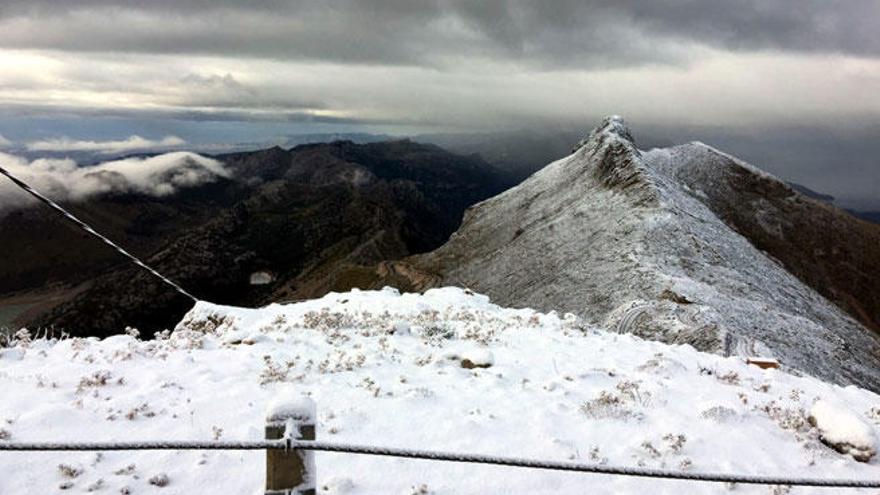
(558,33)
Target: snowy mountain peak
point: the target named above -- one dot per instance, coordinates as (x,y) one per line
(611,154)
(682,245)
(611,127)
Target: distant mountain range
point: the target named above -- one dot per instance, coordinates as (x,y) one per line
(871,216)
(518,153)
(308,219)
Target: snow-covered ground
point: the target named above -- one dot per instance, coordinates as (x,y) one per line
(386,369)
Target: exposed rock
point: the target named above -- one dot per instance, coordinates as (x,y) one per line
(477,358)
(674,297)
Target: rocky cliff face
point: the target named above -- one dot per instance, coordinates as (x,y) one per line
(682,245)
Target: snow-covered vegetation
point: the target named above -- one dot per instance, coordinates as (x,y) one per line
(444,370)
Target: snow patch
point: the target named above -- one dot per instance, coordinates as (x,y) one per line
(843,430)
(261,278)
(299,408)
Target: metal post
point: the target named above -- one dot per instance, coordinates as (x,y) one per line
(290,471)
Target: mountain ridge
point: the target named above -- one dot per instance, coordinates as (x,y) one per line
(630,239)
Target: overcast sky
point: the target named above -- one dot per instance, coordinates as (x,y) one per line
(750,74)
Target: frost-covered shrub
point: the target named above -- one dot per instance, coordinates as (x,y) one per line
(668,449)
(141,410)
(187,339)
(160,480)
(22,338)
(607,406)
(208,324)
(342,361)
(438,332)
(619,404)
(718,414)
(596,457)
(126,471)
(423,360)
(730,378)
(649,449)
(874,414)
(630,390)
(788,418)
(68,471)
(273,372)
(675,442)
(326,320)
(420,490)
(369,384)
(95,380)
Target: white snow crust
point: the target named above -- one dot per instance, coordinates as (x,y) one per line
(839,425)
(558,389)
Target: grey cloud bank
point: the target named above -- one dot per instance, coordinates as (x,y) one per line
(564,32)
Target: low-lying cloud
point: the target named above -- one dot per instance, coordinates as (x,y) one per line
(64,180)
(131,144)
